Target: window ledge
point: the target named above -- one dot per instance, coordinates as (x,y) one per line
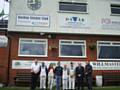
(114,14)
(72,56)
(32,55)
(73,12)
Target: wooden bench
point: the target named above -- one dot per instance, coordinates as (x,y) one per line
(111,78)
(23,79)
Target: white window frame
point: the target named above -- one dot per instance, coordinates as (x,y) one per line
(108,43)
(74,1)
(33,41)
(72,41)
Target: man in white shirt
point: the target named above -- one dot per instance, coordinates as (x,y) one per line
(71,77)
(35,68)
(43,76)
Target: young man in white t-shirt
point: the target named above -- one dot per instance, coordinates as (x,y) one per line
(35,68)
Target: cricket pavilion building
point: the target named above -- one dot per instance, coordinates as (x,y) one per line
(63,30)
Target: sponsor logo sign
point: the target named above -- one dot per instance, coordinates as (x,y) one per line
(110,24)
(74,22)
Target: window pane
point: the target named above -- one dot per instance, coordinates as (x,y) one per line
(32,48)
(72,50)
(115,9)
(109,52)
(68,6)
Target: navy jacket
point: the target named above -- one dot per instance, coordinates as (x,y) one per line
(88,70)
(79,72)
(58,71)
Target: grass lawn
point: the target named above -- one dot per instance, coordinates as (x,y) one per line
(94,88)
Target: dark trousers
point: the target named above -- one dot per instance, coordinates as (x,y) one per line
(89,83)
(34,78)
(80,84)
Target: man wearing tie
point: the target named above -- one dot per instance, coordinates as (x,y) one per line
(79,72)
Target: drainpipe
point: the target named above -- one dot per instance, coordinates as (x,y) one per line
(9,50)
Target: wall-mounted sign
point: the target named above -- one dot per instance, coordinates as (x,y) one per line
(105,65)
(3,41)
(34,4)
(33,20)
(110,24)
(74,22)
(97,65)
(25,64)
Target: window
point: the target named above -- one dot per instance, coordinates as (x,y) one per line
(115,9)
(32,47)
(73,7)
(72,48)
(108,50)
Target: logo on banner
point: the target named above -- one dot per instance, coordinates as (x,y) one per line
(34,4)
(75,19)
(74,22)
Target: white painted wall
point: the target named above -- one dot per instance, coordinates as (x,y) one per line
(97,10)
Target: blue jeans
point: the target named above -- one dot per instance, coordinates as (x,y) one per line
(58,82)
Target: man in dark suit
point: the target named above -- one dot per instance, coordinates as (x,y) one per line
(88,73)
(79,73)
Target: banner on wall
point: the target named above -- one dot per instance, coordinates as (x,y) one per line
(74,22)
(33,20)
(110,24)
(105,65)
(26,64)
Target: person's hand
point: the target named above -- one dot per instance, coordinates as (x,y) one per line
(71,76)
(32,71)
(79,75)
(43,76)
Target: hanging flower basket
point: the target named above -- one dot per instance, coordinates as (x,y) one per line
(92,46)
(53,47)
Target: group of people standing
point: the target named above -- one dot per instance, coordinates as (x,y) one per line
(67,77)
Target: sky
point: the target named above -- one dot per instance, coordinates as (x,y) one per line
(4,6)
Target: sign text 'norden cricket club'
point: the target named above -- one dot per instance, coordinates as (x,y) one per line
(33,20)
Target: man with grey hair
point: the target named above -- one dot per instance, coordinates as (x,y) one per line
(35,66)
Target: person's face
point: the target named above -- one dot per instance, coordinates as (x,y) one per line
(65,66)
(87,62)
(79,64)
(58,63)
(36,61)
(71,64)
(43,63)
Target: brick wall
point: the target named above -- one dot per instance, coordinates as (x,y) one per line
(14,37)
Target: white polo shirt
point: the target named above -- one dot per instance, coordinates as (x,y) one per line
(35,67)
